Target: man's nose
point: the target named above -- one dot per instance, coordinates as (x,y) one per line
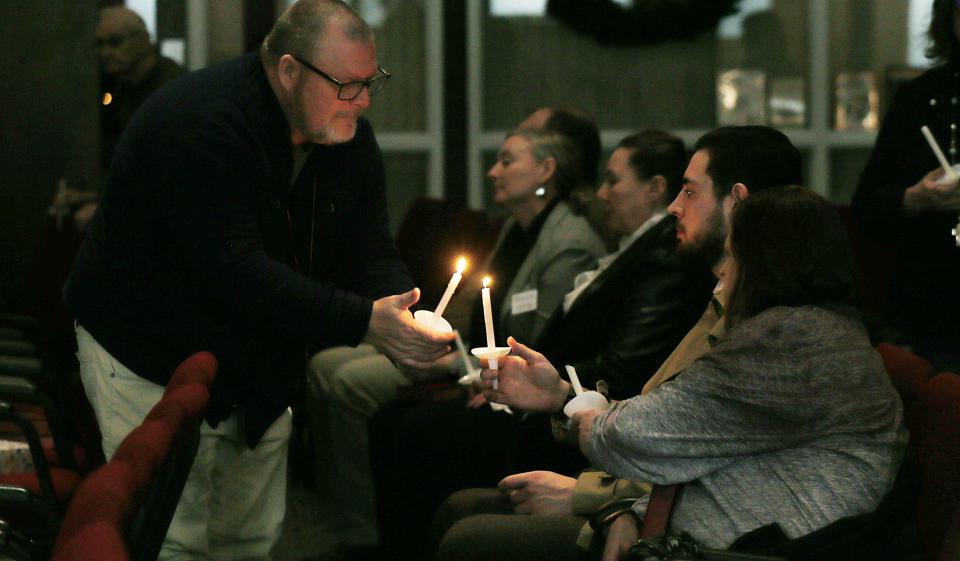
(676,208)
(363,100)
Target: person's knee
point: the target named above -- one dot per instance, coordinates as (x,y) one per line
(364,385)
(468,539)
(324,364)
(468,502)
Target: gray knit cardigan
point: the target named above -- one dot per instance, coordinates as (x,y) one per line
(790,419)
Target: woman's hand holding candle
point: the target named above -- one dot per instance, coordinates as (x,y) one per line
(527,381)
(580,425)
(931,193)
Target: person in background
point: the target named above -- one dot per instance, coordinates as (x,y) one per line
(245,215)
(580,127)
(904,199)
(130,70)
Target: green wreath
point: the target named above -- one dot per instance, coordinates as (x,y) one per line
(646,22)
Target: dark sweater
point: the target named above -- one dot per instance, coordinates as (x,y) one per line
(199,243)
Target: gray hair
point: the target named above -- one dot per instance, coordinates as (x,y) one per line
(301,27)
(548,144)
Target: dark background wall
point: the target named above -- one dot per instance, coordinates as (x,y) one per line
(48,123)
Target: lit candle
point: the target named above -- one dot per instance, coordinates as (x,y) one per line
(487,312)
(451,287)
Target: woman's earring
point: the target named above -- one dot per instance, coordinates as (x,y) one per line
(541,191)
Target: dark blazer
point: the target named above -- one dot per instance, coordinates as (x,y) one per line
(923,301)
(626,323)
(201,242)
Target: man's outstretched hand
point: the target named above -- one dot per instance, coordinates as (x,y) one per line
(408,343)
(526,381)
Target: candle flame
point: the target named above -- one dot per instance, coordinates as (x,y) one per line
(487,281)
(107,98)
(461,265)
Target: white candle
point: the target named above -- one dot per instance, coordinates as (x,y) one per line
(574,379)
(488,312)
(451,287)
(464,357)
(938,153)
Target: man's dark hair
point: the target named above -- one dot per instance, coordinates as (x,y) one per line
(580,127)
(757,156)
(791,249)
(944,46)
(654,152)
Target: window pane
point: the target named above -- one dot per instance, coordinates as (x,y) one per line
(846,164)
(401,50)
(406,180)
(879,37)
(533,61)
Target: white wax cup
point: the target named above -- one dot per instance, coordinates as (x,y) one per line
(946,179)
(584,402)
(428,318)
(491,354)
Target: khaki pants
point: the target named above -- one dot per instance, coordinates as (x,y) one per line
(347,386)
(233,503)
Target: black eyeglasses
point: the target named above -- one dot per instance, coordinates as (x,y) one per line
(347,91)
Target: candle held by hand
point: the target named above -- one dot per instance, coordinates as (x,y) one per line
(487,312)
(947,169)
(451,287)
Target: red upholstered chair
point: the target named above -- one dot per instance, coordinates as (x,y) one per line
(934,423)
(32,503)
(907,371)
(199,368)
(123,509)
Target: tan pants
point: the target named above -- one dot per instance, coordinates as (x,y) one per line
(233,503)
(347,386)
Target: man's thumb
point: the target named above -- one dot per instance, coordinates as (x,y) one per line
(407,299)
(522,351)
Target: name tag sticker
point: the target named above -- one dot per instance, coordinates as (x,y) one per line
(523,302)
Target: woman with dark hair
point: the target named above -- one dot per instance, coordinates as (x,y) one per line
(789,420)
(902,199)
(789,249)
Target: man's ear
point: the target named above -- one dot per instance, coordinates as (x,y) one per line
(739,192)
(287,71)
(657,188)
